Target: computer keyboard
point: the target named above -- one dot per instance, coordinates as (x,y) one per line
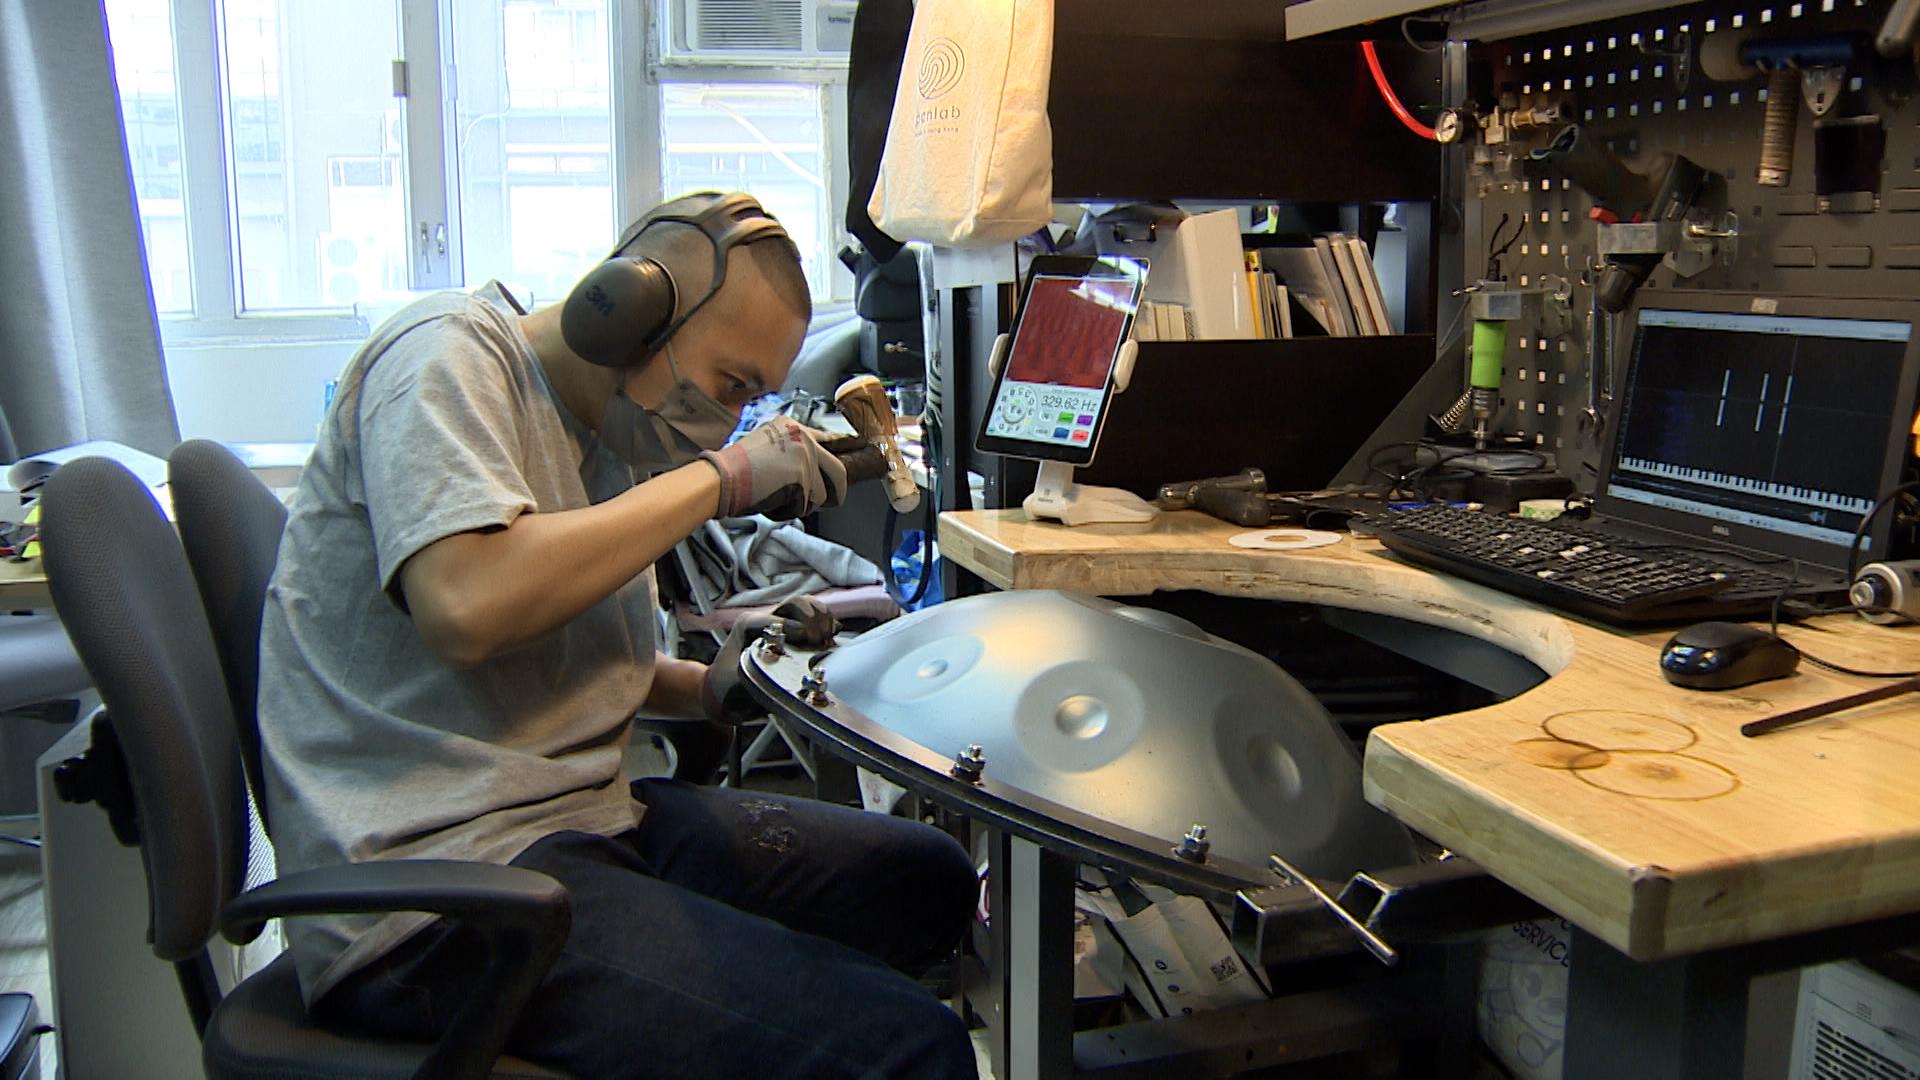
(1580,570)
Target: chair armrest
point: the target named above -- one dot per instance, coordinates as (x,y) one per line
(482,895)
(522,918)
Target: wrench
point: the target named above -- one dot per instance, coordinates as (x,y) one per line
(1591,418)
(1610,320)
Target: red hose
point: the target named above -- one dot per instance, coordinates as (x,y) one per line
(1393,101)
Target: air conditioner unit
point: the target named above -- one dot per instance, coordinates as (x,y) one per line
(352,269)
(1854,1024)
(799,33)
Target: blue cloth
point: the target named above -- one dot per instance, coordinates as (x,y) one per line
(907,568)
(733,933)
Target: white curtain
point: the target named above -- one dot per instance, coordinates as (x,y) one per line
(79,343)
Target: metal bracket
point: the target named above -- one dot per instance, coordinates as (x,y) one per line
(1687,247)
(1821,87)
(1374,944)
(1496,301)
(1704,243)
(1286,923)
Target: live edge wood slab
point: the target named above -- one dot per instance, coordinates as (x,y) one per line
(1629,806)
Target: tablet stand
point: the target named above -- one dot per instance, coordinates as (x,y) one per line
(1056,496)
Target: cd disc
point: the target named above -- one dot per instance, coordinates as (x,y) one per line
(1284,539)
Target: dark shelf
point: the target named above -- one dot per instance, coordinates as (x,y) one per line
(1204,101)
(1297,408)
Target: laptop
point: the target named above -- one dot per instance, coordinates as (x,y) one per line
(1751,438)
(1763,425)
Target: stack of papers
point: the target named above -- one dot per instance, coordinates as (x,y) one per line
(25,476)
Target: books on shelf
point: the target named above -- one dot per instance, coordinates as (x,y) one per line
(1203,284)
(1334,281)
(1370,285)
(1160,321)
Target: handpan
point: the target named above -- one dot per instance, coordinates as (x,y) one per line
(1129,716)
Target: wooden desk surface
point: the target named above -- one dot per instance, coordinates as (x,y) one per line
(23,585)
(1627,805)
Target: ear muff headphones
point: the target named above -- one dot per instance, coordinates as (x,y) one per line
(622,312)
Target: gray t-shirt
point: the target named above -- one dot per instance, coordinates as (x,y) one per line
(375,749)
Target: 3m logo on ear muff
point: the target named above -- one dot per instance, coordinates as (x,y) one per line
(644,290)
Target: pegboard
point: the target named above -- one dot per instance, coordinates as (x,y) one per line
(1635,85)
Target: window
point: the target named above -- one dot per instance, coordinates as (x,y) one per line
(143,65)
(759,137)
(304,166)
(534,142)
(315,190)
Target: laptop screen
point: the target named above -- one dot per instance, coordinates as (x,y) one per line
(1772,432)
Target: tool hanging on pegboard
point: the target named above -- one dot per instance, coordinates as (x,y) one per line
(1672,147)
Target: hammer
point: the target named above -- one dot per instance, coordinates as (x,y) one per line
(863,401)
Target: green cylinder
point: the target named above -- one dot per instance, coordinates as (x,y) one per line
(1489,348)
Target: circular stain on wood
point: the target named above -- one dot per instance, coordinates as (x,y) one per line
(1618,729)
(1653,774)
(1559,754)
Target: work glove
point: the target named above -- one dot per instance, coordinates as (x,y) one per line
(723,692)
(778,469)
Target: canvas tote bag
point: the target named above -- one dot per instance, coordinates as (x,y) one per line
(969,156)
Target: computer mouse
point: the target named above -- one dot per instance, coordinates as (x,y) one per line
(1722,656)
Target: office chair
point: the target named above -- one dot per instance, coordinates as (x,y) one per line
(37,664)
(37,667)
(230,525)
(165,764)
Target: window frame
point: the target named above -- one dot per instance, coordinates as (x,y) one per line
(638,68)
(662,66)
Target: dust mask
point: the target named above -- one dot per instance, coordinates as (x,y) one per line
(653,441)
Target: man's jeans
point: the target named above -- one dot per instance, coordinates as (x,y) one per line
(733,934)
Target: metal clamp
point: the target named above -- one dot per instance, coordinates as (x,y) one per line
(1687,247)
(1374,944)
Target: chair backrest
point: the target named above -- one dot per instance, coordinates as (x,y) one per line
(230,524)
(121,585)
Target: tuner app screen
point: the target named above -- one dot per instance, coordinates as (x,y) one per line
(1061,356)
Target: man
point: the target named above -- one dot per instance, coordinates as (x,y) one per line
(460,628)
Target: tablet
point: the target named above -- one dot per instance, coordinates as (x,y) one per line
(1049,400)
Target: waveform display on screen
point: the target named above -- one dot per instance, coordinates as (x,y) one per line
(1759,416)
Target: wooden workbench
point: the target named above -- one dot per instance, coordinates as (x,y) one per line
(1631,807)
(23,586)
